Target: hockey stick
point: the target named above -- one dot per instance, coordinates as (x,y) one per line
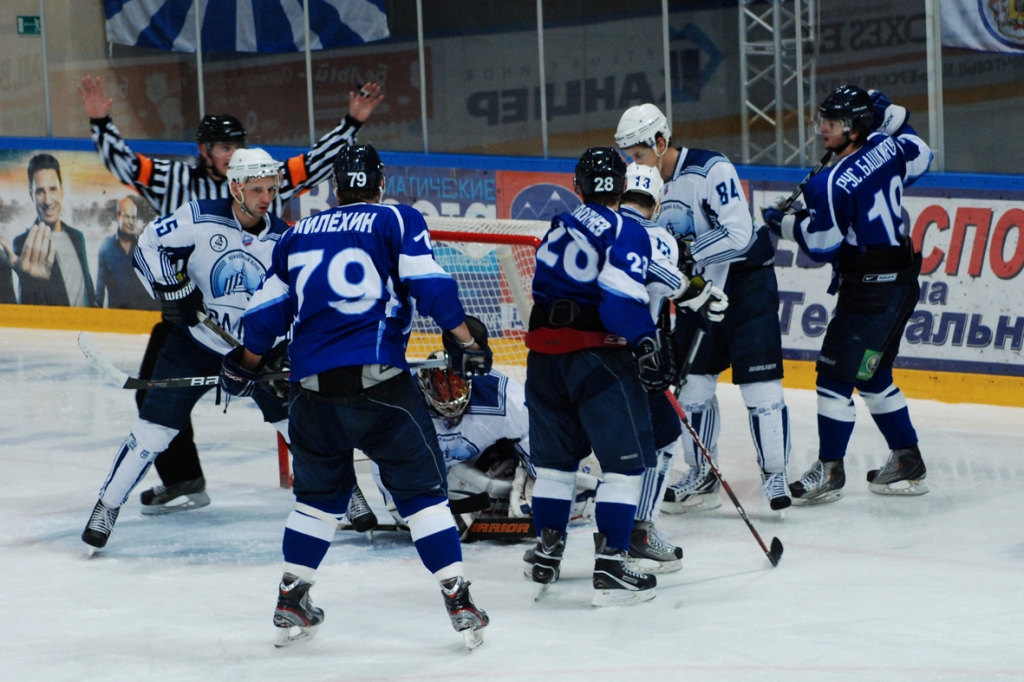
(788,203)
(122,380)
(688,363)
(773,554)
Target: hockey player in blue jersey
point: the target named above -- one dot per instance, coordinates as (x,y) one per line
(853,219)
(703,203)
(594,349)
(207,256)
(641,202)
(344,282)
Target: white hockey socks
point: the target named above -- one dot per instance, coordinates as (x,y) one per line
(135,456)
(769,424)
(652,484)
(701,406)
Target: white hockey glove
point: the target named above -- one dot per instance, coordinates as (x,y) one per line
(888,118)
(704,299)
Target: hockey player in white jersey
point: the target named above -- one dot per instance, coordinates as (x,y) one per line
(853,219)
(345,282)
(641,201)
(225,246)
(168,184)
(703,203)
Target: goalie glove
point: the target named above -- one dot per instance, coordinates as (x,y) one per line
(703,300)
(181,302)
(887,117)
(235,379)
(655,361)
(465,362)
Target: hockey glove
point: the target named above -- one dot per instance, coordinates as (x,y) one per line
(464,362)
(703,301)
(276,360)
(655,362)
(180,302)
(888,118)
(235,379)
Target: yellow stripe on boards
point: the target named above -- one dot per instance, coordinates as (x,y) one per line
(79,319)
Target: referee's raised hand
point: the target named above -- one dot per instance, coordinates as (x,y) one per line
(97,104)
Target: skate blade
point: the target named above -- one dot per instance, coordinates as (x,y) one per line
(90,551)
(653,566)
(286,636)
(911,489)
(473,638)
(830,496)
(622,597)
(697,503)
(193,501)
(542,589)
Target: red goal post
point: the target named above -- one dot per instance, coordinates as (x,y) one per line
(493,262)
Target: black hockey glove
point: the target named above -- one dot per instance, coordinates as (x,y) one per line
(656,362)
(887,117)
(180,302)
(464,362)
(276,360)
(235,379)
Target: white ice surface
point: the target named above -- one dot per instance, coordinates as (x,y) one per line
(869,588)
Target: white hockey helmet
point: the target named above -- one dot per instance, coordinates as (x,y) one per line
(646,179)
(641,125)
(252,163)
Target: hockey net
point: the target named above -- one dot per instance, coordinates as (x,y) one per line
(492,261)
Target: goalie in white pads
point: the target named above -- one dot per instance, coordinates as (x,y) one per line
(227,244)
(703,202)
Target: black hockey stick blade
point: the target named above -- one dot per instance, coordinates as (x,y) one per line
(776,552)
(380,526)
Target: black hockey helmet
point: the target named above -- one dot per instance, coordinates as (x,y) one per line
(601,170)
(358,167)
(850,104)
(220,128)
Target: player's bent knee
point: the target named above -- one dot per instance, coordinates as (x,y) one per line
(836,406)
(885,401)
(762,394)
(698,391)
(150,439)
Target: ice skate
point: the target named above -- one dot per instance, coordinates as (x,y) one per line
(650,553)
(775,489)
(100,526)
(466,617)
(698,491)
(360,515)
(295,617)
(903,474)
(822,483)
(175,498)
(547,559)
(615,583)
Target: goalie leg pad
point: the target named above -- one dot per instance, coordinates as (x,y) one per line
(135,456)
(466,479)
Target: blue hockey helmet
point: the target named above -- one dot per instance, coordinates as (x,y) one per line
(601,170)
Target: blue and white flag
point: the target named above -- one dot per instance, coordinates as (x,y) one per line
(244,25)
(984,25)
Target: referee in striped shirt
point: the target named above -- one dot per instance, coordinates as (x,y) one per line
(167,185)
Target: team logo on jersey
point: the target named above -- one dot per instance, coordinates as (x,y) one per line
(246,239)
(218,242)
(236,272)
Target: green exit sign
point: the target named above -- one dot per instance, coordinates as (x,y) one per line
(30,25)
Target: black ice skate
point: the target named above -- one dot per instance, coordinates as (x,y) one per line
(775,489)
(822,483)
(100,526)
(615,583)
(175,498)
(698,491)
(905,469)
(547,559)
(295,617)
(360,515)
(466,617)
(651,553)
